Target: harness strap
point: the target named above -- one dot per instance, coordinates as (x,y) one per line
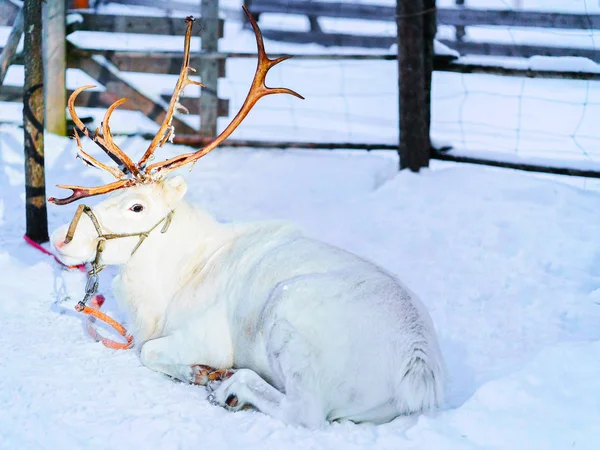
(94,313)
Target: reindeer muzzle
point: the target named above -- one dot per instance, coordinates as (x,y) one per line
(103,237)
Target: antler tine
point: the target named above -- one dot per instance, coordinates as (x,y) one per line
(257,91)
(90,161)
(108,139)
(166,130)
(80,192)
(115,153)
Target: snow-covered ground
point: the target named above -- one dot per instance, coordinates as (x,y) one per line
(507,263)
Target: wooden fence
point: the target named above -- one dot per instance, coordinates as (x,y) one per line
(459,17)
(106,66)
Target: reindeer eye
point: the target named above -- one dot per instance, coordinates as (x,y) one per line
(137,208)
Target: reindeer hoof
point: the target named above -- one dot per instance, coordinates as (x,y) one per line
(230,395)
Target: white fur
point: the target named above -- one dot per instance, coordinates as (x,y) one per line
(317,333)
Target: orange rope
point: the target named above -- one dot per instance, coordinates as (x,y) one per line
(95,313)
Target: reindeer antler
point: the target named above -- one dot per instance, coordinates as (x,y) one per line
(130,173)
(80,192)
(166,130)
(258,90)
(104,142)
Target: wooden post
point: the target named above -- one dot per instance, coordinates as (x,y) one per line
(10,49)
(415,144)
(33,124)
(460,30)
(209,70)
(429,31)
(55,66)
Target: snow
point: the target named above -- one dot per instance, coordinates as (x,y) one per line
(442,49)
(566,63)
(506,262)
(74,18)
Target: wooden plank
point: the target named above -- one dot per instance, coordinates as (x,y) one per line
(448,156)
(330,39)
(162,63)
(128,60)
(229,12)
(520,51)
(55,66)
(325,9)
(169,5)
(157,63)
(198,58)
(116,87)
(209,70)
(103,99)
(511,18)
(166,26)
(440,64)
(8,13)
(8,53)
(446,16)
(197,141)
(468,68)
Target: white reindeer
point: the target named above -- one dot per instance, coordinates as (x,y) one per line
(314,333)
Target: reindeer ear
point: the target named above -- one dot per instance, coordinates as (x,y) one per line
(174,189)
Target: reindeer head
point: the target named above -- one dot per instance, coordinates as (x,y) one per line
(145,197)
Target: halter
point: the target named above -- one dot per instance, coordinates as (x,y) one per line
(91,287)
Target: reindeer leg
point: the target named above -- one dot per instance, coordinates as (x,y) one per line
(245,388)
(165,355)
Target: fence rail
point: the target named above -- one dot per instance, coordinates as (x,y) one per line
(446,16)
(459,18)
(111,23)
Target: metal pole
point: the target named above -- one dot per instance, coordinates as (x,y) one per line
(33,124)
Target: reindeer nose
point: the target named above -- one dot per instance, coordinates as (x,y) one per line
(58,239)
